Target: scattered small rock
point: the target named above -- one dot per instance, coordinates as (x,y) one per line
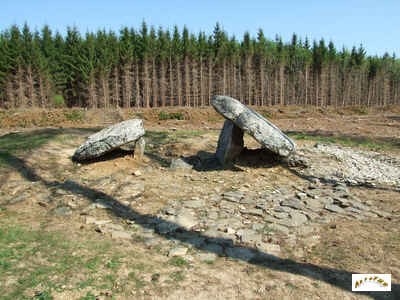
(63,211)
(117,234)
(334,208)
(178,251)
(179,163)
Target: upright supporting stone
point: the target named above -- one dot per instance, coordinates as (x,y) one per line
(230,142)
(139,148)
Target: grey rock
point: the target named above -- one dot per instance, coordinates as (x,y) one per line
(296,219)
(266,133)
(140,146)
(223,224)
(281,209)
(280,215)
(312,215)
(369,214)
(117,234)
(129,191)
(293,203)
(179,163)
(207,257)
(341,202)
(359,205)
(353,210)
(110,227)
(110,138)
(258,226)
(334,208)
(249,236)
(314,203)
(301,195)
(269,248)
(233,196)
(151,241)
(326,200)
(17,199)
(63,211)
(253,212)
(382,213)
(340,187)
(262,205)
(170,211)
(247,200)
(186,220)
(194,203)
(230,143)
(279,228)
(178,251)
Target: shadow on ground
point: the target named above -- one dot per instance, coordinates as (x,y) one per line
(336,277)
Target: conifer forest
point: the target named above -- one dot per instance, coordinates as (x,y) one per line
(156,67)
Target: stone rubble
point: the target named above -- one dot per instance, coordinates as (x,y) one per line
(343,165)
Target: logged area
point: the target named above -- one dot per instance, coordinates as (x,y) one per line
(176,225)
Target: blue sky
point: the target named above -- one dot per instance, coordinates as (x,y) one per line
(374,23)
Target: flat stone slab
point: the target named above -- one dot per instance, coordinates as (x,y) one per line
(251,122)
(109,139)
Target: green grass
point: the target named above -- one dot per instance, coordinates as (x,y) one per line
(35,260)
(75,115)
(364,142)
(170,116)
(178,261)
(13,144)
(164,137)
(58,100)
(177,276)
(88,296)
(139,282)
(23,141)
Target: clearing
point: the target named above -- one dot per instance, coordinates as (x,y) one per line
(119,228)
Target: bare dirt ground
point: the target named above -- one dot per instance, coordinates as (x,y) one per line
(127,229)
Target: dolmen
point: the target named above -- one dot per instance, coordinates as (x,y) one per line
(241,119)
(127,136)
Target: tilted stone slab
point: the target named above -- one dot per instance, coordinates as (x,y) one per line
(109,139)
(251,122)
(230,142)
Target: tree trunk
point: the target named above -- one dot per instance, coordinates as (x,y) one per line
(163,84)
(154,85)
(179,82)
(31,87)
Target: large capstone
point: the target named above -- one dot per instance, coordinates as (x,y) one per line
(251,122)
(117,136)
(230,142)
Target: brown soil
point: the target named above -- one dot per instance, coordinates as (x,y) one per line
(303,269)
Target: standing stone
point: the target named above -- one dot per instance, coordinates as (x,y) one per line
(230,142)
(136,147)
(109,139)
(266,133)
(140,145)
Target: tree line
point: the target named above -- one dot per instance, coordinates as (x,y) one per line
(149,67)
